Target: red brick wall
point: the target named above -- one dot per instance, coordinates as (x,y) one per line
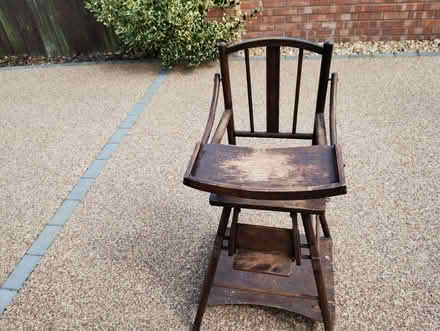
(346,20)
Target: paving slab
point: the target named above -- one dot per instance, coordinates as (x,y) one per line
(134,252)
(53,122)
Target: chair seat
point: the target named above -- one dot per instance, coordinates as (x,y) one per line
(311,206)
(295,173)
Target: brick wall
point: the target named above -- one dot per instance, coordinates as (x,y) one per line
(346,20)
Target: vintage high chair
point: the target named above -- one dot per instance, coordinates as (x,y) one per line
(262,265)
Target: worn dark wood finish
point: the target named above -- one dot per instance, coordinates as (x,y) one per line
(309,172)
(276,42)
(296,242)
(193,159)
(226,85)
(312,206)
(21,29)
(296,292)
(324,226)
(222,126)
(324,76)
(51,27)
(340,164)
(212,109)
(297,89)
(249,89)
(265,265)
(333,97)
(234,232)
(272,89)
(320,132)
(279,135)
(212,267)
(317,271)
(273,263)
(264,239)
(317,231)
(5,46)
(303,306)
(273,84)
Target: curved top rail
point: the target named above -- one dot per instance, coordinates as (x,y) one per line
(274,41)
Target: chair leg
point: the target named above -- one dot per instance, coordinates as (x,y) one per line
(317,272)
(324,226)
(296,239)
(212,267)
(232,244)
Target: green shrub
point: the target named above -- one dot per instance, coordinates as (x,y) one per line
(176,31)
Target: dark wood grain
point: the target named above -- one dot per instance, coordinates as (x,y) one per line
(297,89)
(51,28)
(222,127)
(226,85)
(265,265)
(295,293)
(264,239)
(276,42)
(272,263)
(5,45)
(193,160)
(296,242)
(212,268)
(249,89)
(341,165)
(273,84)
(233,234)
(324,76)
(212,109)
(278,173)
(280,135)
(318,272)
(20,27)
(332,116)
(320,132)
(312,206)
(324,226)
(272,89)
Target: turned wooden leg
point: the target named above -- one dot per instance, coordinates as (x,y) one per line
(296,239)
(232,244)
(324,226)
(212,267)
(317,271)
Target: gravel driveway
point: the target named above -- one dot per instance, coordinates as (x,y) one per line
(134,252)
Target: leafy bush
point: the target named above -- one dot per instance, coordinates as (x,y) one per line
(176,31)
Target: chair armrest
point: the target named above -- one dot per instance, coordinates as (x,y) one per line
(221,127)
(332,116)
(212,109)
(320,132)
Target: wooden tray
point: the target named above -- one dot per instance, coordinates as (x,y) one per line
(295,173)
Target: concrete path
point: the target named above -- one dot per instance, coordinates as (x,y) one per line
(134,251)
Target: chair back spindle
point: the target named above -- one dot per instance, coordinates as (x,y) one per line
(297,89)
(272,88)
(324,77)
(249,89)
(273,46)
(226,87)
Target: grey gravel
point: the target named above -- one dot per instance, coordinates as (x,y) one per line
(53,122)
(134,252)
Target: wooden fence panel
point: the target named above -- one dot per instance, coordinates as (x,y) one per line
(51,28)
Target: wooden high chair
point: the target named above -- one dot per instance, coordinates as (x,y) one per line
(261,265)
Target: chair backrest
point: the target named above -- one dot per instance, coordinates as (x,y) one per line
(273,83)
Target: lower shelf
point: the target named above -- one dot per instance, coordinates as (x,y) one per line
(295,293)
